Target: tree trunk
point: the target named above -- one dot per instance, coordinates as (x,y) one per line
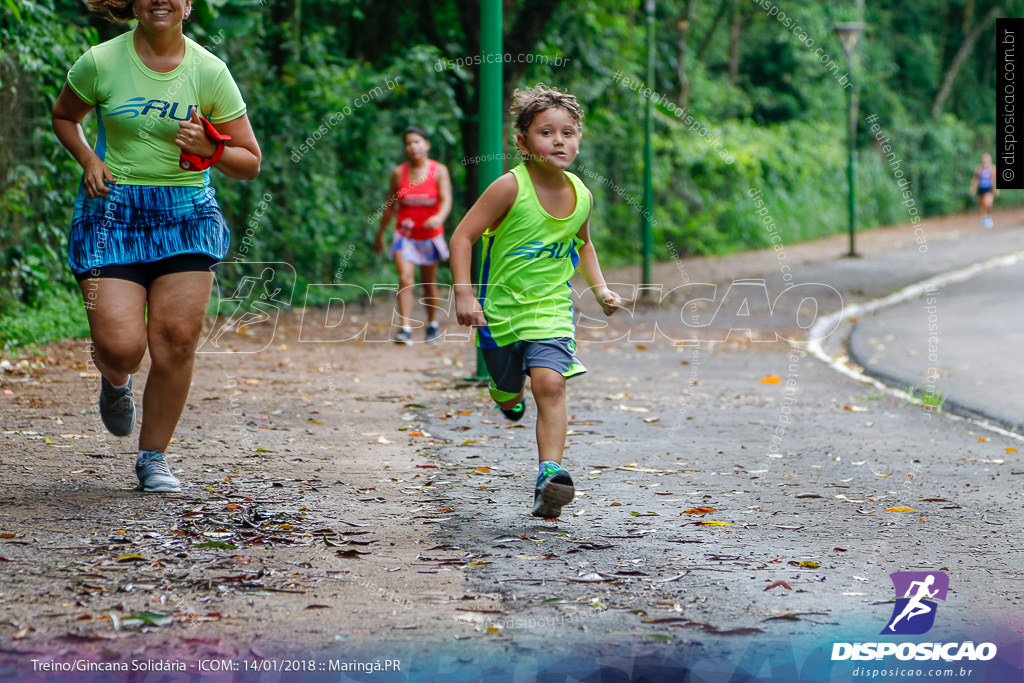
(961,57)
(734,41)
(684,34)
(705,46)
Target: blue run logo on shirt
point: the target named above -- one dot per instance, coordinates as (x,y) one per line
(140,106)
(534,249)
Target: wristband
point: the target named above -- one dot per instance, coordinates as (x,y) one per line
(194,162)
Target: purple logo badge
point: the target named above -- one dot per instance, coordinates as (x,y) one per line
(916,592)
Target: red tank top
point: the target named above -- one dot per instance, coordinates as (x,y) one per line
(417,203)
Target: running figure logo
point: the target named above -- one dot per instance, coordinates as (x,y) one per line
(914,612)
(245,320)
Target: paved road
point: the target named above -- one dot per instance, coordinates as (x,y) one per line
(963,342)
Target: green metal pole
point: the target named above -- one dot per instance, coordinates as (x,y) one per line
(489,146)
(850,165)
(647,227)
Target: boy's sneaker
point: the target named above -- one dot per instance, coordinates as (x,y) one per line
(403,336)
(155,475)
(117,409)
(554,489)
(516,413)
(433,332)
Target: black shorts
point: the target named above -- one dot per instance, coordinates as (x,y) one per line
(982,191)
(509,365)
(145,273)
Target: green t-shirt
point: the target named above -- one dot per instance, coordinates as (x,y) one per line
(526,266)
(139,109)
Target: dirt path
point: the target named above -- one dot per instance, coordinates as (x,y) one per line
(339,495)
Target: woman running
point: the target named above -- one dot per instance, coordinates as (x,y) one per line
(983,186)
(147,232)
(422,190)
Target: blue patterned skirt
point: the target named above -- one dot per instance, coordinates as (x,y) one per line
(144,223)
(420,252)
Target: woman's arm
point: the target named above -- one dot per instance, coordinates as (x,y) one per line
(444,195)
(68,113)
(390,206)
(489,210)
(242,156)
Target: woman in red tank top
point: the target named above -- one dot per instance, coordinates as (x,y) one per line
(421,195)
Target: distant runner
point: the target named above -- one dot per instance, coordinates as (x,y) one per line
(983,186)
(421,192)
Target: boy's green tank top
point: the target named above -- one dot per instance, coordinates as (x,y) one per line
(525,268)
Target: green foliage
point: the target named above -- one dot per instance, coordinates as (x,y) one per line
(57,316)
(330,86)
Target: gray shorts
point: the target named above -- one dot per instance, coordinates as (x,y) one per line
(509,365)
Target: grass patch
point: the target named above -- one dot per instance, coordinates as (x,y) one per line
(57,316)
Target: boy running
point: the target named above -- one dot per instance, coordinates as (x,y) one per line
(534,221)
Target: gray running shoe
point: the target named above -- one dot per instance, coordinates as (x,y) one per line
(117,409)
(433,332)
(403,336)
(155,475)
(554,490)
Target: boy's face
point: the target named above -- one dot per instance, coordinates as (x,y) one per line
(553,138)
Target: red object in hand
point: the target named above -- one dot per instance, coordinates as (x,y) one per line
(194,162)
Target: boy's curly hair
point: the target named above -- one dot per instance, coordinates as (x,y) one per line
(526,104)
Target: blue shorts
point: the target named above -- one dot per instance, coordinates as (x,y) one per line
(509,365)
(145,223)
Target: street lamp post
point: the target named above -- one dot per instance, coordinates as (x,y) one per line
(849,34)
(647,226)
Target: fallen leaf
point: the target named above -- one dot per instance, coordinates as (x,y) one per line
(1011,449)
(866,512)
(777,584)
(482,470)
(770,379)
(131,557)
(494,629)
(982,438)
(217,544)
(699,511)
(8,535)
(615,505)
(147,618)
(352,553)
(900,508)
(415,433)
(711,522)
(855,409)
